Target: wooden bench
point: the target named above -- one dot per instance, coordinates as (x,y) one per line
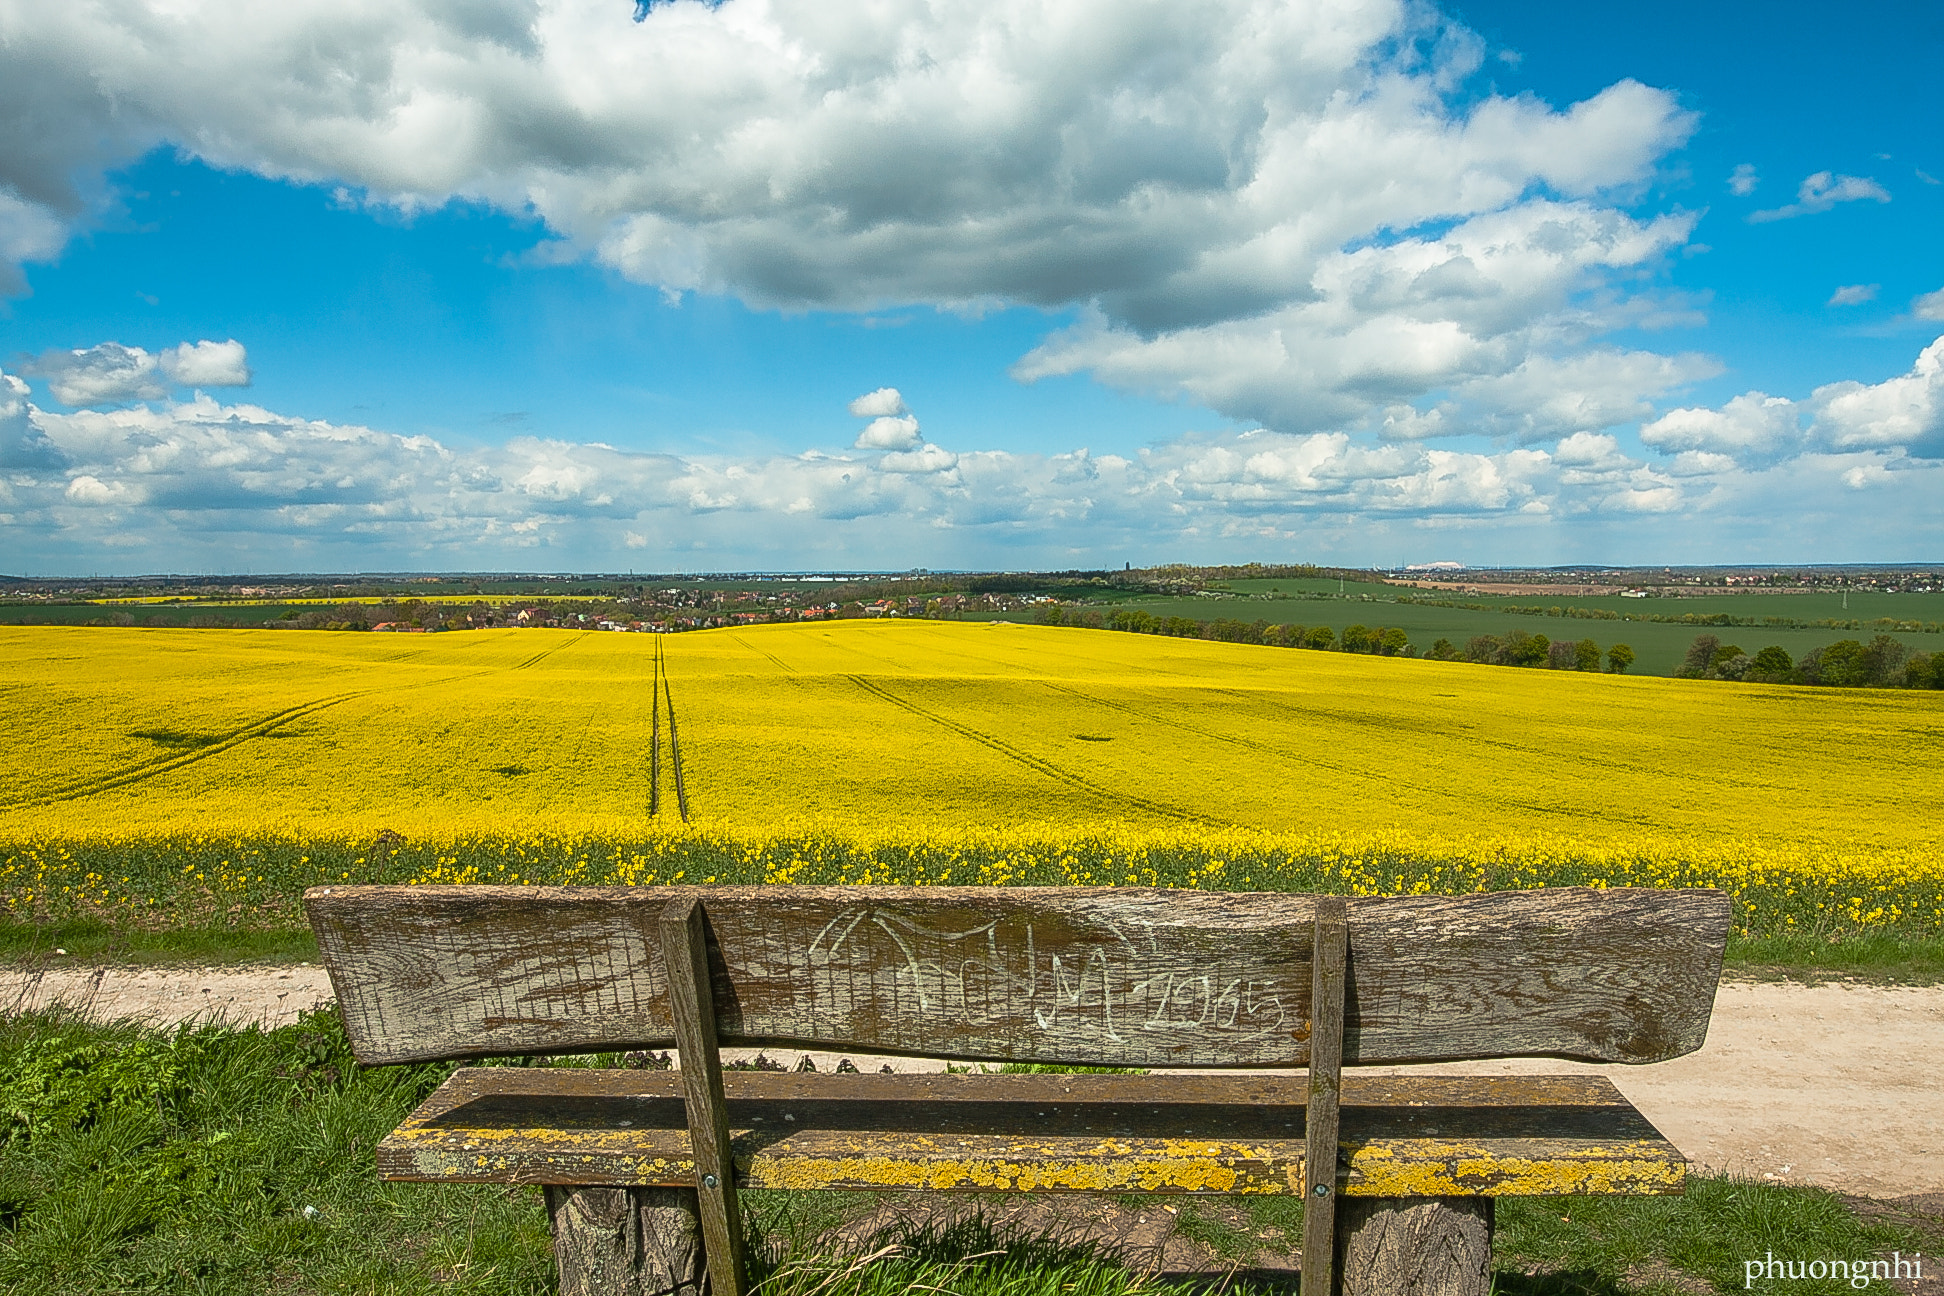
(642,1168)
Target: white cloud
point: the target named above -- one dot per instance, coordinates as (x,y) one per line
(1743,180)
(206,364)
(28,232)
(890,434)
(1930,306)
(1221,184)
(1547,397)
(1853,294)
(113,374)
(1903,415)
(1822,191)
(107,374)
(1753,428)
(1906,411)
(925,459)
(1385,324)
(89,489)
(885,402)
(226,480)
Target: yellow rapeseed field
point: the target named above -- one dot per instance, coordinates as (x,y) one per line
(220,771)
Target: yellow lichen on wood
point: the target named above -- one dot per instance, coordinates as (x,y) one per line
(977,1173)
(1424,1168)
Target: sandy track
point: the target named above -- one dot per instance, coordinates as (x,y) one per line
(1838,1085)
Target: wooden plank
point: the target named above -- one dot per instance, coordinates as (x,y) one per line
(1404,1136)
(1111,976)
(1327,976)
(685,951)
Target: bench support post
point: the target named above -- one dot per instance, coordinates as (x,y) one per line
(685,955)
(626,1241)
(1325,1083)
(1414,1246)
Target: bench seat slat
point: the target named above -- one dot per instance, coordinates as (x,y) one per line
(1404,1136)
(1104,976)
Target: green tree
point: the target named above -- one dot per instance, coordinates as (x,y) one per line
(1322,637)
(1883,660)
(1521,649)
(1843,664)
(1699,663)
(1772,665)
(1619,657)
(1392,642)
(1483,648)
(1359,639)
(1586,655)
(1443,651)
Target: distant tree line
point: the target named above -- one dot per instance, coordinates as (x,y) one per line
(1723,619)
(1516,648)
(1848,663)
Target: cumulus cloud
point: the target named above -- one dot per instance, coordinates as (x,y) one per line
(200,476)
(925,459)
(1822,191)
(1221,185)
(1930,306)
(112,374)
(1742,181)
(1465,311)
(21,443)
(239,469)
(1903,415)
(889,433)
(206,364)
(885,402)
(1905,412)
(1753,428)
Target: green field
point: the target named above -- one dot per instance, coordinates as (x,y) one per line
(1660,645)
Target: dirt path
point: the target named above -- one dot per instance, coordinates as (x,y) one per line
(1836,1085)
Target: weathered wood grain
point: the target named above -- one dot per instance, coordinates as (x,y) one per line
(1422,1246)
(626,1241)
(1327,975)
(1108,976)
(1399,1136)
(684,933)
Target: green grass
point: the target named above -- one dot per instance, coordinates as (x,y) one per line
(1878,957)
(220,1161)
(91,941)
(1614,1244)
(216,1161)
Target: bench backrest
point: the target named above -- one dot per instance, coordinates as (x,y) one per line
(1099,976)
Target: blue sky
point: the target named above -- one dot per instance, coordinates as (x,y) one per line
(500,284)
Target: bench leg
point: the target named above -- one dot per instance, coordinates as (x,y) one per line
(626,1241)
(1414,1246)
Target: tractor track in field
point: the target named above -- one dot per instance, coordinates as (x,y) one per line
(1037,764)
(674,737)
(167,764)
(1298,758)
(774,660)
(545,653)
